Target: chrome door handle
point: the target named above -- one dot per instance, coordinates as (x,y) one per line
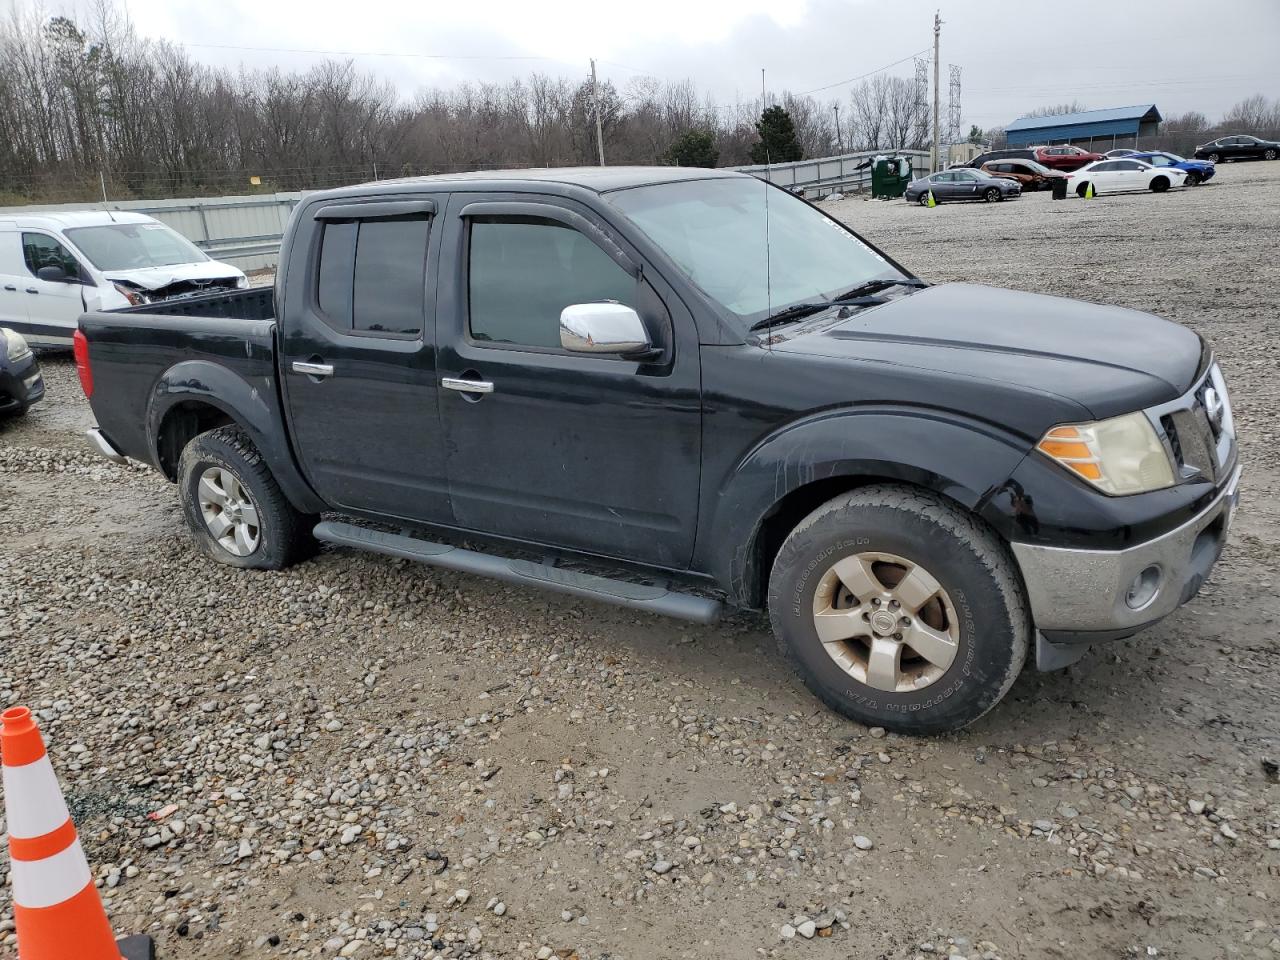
(314,369)
(466,386)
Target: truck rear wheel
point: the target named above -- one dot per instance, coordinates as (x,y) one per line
(900,610)
(234,507)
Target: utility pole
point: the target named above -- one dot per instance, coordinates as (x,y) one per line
(839,139)
(937,34)
(595,95)
(764,97)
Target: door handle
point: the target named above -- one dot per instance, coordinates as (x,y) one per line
(466,386)
(10,286)
(32,290)
(313,369)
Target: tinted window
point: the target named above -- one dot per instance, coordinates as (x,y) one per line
(523,272)
(1104,167)
(1159,161)
(40,250)
(337,265)
(390,276)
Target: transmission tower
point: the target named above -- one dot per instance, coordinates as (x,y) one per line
(921,133)
(953,107)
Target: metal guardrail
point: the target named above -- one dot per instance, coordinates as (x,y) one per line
(247,230)
(243,230)
(823,176)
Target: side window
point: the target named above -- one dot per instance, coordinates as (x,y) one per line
(523,271)
(1106,167)
(371,277)
(41,250)
(391,276)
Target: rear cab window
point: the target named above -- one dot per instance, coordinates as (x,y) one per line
(371,278)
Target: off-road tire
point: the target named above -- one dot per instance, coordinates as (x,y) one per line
(284,533)
(970,563)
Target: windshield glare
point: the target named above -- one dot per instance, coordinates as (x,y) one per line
(132,246)
(715,231)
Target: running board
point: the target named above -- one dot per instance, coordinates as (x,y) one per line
(637,596)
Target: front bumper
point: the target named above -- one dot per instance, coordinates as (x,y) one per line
(21,384)
(1081,596)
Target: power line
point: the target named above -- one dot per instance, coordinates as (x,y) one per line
(910,56)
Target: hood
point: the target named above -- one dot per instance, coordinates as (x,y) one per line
(155,278)
(1109,360)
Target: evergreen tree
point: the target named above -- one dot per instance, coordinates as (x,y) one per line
(778,142)
(694,148)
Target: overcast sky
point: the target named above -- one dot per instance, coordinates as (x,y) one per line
(1179,54)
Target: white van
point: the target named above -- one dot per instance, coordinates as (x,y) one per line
(54,266)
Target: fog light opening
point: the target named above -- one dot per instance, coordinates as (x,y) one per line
(1144,588)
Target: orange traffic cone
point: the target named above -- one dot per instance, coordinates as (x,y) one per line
(56,908)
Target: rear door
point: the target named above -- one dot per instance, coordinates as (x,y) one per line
(13,274)
(358,356)
(586,452)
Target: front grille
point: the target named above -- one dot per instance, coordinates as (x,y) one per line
(1196,446)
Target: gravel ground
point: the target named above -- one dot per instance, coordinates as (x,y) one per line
(362,757)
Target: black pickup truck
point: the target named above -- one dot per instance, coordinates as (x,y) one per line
(673,389)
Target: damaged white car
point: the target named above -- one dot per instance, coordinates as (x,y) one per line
(55,266)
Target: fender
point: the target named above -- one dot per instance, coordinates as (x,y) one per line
(252,402)
(962,459)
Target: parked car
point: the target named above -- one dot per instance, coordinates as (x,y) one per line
(587,377)
(55,266)
(1238,148)
(1197,171)
(21,384)
(1065,157)
(1121,152)
(1120,176)
(1010,154)
(1031,175)
(962,183)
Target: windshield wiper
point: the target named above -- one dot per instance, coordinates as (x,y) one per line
(875,286)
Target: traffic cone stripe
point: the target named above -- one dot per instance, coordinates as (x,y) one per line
(47,882)
(37,848)
(33,801)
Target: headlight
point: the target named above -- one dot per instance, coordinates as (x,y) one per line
(1119,456)
(135,297)
(242,282)
(14,343)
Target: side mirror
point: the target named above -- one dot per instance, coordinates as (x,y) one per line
(607,327)
(52,274)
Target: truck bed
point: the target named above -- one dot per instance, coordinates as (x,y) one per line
(255,303)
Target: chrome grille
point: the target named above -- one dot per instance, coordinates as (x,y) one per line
(1196,446)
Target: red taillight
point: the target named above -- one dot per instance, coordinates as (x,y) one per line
(81,347)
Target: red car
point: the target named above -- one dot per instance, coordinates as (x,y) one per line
(1065,157)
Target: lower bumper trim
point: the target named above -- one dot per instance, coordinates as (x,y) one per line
(103,446)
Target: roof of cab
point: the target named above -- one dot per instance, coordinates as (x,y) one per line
(595,179)
(66,219)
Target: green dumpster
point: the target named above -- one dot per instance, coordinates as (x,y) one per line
(889,177)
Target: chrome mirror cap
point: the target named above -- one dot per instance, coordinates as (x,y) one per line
(605,327)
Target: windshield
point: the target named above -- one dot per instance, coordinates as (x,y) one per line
(715,231)
(132,246)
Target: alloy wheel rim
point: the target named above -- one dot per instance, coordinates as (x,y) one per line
(229,512)
(886,622)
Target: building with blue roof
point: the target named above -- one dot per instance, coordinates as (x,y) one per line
(1119,126)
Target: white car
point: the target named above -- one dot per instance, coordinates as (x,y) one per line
(1119,175)
(55,266)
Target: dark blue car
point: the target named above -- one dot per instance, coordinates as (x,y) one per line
(1198,171)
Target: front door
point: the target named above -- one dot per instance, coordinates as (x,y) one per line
(53,306)
(587,452)
(13,277)
(358,357)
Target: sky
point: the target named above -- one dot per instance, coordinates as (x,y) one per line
(1179,54)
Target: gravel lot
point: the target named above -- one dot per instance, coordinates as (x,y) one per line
(363,757)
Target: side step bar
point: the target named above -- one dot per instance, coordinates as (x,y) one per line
(655,599)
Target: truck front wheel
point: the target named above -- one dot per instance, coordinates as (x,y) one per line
(234,507)
(900,610)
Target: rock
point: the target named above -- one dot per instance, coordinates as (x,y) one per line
(807,929)
(787,932)
(876,733)
(662,866)
(862,843)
